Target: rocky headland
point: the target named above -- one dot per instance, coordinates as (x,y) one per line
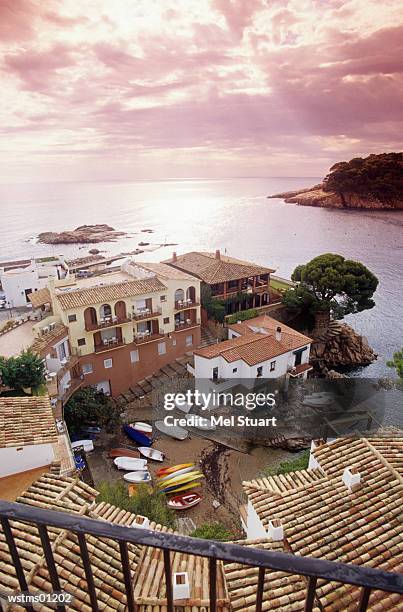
(84,234)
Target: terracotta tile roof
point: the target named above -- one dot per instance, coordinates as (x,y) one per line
(255,346)
(25,421)
(106,293)
(281,483)
(40,298)
(45,341)
(163,270)
(323,519)
(212,270)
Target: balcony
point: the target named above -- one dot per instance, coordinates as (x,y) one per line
(106,322)
(67,365)
(181,325)
(314,571)
(146,313)
(143,337)
(108,345)
(70,388)
(185,304)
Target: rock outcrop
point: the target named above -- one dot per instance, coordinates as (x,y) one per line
(84,234)
(340,346)
(318,196)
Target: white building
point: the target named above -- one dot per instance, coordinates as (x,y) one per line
(257,348)
(19,279)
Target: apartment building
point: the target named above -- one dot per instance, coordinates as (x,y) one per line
(126,324)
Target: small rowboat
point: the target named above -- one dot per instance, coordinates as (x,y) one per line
(173,468)
(181,479)
(130,464)
(179,433)
(151,453)
(91,430)
(137,436)
(177,473)
(137,477)
(184,501)
(88,445)
(124,452)
(143,427)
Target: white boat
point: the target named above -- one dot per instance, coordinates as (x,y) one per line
(88,445)
(137,477)
(183,407)
(318,401)
(199,422)
(179,433)
(130,463)
(143,427)
(151,453)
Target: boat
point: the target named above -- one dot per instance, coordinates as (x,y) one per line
(151,453)
(138,477)
(174,487)
(173,468)
(181,479)
(136,435)
(177,473)
(179,433)
(79,461)
(88,445)
(123,452)
(199,422)
(92,430)
(143,427)
(185,487)
(184,501)
(318,401)
(130,464)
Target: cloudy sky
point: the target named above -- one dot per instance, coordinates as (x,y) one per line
(121,89)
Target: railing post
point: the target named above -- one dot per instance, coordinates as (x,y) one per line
(310,594)
(88,571)
(260,586)
(15,557)
(168,580)
(364,599)
(50,562)
(213,583)
(127,576)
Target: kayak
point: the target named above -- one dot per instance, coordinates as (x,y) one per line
(88,445)
(143,427)
(175,486)
(182,478)
(178,473)
(185,487)
(179,433)
(137,477)
(137,436)
(184,501)
(173,468)
(123,452)
(151,453)
(130,464)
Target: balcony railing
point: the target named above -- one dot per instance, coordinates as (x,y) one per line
(68,364)
(147,313)
(185,304)
(106,322)
(70,388)
(179,326)
(143,337)
(107,345)
(366,578)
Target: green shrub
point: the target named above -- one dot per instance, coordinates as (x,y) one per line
(243,315)
(212,531)
(292,465)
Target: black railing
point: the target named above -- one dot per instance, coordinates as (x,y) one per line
(368,579)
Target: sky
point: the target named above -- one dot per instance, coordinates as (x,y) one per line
(146,89)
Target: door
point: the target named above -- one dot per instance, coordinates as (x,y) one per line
(215,373)
(104,386)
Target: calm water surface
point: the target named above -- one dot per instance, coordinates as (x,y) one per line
(234,215)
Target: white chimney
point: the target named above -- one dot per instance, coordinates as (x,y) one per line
(275,530)
(218,254)
(141,521)
(181,586)
(278,334)
(351,478)
(174,258)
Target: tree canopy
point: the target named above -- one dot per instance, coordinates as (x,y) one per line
(25,370)
(379,176)
(331,283)
(87,405)
(397,363)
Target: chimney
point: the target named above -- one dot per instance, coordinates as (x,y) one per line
(174,258)
(351,478)
(218,254)
(141,521)
(181,586)
(278,334)
(275,530)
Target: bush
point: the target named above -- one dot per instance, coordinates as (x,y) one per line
(212,531)
(147,502)
(26,370)
(87,405)
(243,315)
(292,465)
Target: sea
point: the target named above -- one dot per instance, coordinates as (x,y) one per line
(234,215)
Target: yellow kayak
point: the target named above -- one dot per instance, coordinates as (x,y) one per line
(173,468)
(183,479)
(185,487)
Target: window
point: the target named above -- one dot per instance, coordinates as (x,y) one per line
(272,366)
(162,348)
(87,368)
(259,372)
(81,341)
(174,342)
(163,298)
(108,363)
(234,370)
(166,320)
(72,318)
(134,356)
(189,340)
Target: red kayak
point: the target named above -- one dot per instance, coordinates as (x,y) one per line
(184,501)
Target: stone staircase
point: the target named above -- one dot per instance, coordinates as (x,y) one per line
(207,337)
